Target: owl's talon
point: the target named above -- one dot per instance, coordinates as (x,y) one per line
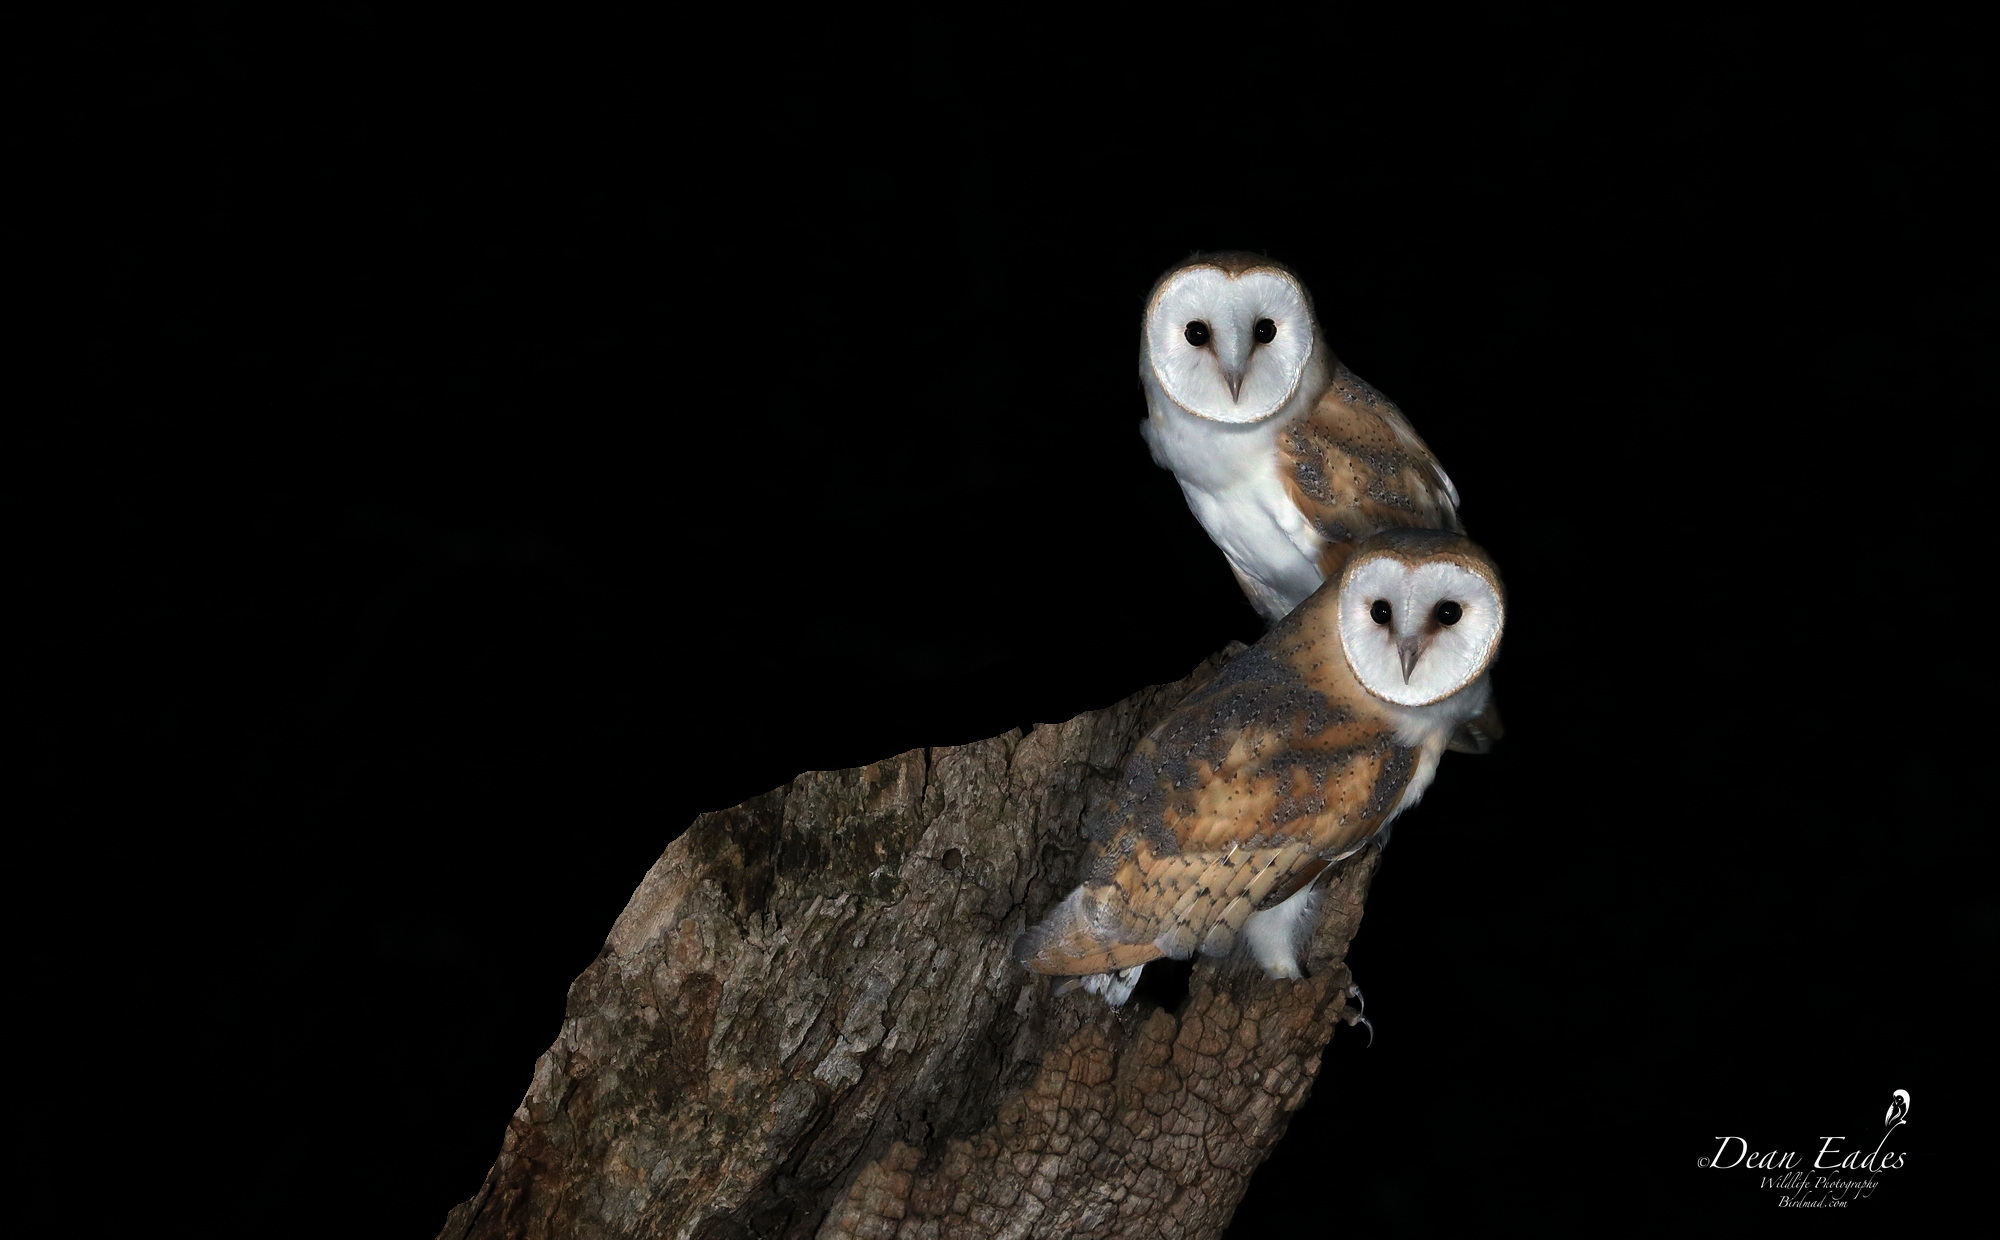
(1359,1016)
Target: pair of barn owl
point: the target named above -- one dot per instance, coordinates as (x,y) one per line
(1287,458)
(1343,530)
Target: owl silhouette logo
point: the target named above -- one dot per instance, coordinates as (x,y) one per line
(1899,1106)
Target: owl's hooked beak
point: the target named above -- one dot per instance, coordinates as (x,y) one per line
(1411,649)
(1232,357)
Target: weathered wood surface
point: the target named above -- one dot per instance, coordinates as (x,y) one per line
(806,1023)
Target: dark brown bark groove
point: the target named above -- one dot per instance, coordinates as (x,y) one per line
(806,1023)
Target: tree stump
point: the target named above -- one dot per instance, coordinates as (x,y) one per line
(806,1023)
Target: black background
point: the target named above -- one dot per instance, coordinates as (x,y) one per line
(474,444)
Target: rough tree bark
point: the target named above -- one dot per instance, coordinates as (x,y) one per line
(806,1023)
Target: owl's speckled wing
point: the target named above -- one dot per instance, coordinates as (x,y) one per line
(1355,466)
(1258,781)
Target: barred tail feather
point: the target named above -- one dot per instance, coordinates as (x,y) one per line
(1078,937)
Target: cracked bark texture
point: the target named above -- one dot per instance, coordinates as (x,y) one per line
(806,1023)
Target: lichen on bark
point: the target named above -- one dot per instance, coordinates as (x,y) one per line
(806,1023)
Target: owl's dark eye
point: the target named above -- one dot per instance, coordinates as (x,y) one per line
(1197,333)
(1266,331)
(1379,613)
(1448,612)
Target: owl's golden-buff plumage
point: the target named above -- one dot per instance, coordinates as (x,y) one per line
(1299,752)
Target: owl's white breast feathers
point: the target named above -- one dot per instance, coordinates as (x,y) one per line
(1428,729)
(1230,476)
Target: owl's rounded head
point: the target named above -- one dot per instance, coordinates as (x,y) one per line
(1420,614)
(1228,336)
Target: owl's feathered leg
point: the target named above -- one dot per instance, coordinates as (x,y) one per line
(1277,935)
(1114,988)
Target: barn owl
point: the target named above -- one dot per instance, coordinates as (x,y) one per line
(1286,457)
(1300,751)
